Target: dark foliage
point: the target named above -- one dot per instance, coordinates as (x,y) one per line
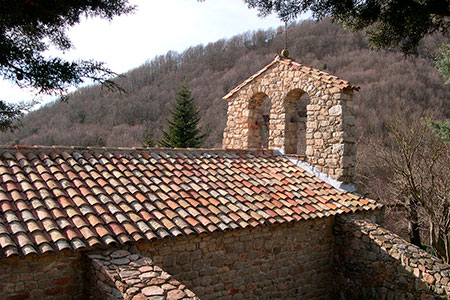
(183,131)
(9,114)
(442,61)
(388,24)
(29,28)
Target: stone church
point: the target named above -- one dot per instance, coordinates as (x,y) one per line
(253,220)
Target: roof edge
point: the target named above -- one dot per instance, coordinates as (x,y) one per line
(344,85)
(28,148)
(251,78)
(347,187)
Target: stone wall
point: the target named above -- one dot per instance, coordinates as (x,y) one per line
(330,143)
(50,277)
(120,274)
(374,263)
(291,261)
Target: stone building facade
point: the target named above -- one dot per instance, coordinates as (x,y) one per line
(331,258)
(291,261)
(280,262)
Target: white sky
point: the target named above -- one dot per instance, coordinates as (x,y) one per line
(155,28)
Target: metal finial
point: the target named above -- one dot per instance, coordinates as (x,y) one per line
(285,52)
(285,34)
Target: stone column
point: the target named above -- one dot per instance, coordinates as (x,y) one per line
(329,135)
(235,134)
(348,124)
(291,120)
(277,123)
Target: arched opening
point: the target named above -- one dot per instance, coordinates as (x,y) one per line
(296,102)
(258,121)
(266,106)
(302,102)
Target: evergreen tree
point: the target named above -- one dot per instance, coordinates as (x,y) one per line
(183,131)
(148,139)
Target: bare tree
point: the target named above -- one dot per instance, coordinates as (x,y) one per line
(419,164)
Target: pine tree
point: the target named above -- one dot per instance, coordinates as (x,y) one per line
(183,131)
(148,139)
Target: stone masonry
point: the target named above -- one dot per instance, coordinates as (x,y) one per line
(292,261)
(120,274)
(285,261)
(374,263)
(343,257)
(50,277)
(330,142)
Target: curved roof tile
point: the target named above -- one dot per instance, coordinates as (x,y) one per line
(60,198)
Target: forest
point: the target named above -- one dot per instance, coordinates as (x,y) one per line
(392,88)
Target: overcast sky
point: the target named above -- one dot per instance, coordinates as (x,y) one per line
(155,28)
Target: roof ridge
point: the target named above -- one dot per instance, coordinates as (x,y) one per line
(321,75)
(125,149)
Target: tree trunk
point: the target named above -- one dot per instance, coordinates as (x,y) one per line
(431,230)
(441,246)
(413,227)
(447,255)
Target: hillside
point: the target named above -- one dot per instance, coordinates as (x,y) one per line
(392,86)
(93,116)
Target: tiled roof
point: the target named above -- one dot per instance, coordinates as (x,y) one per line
(57,198)
(316,73)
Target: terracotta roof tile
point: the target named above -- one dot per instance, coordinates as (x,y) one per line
(52,200)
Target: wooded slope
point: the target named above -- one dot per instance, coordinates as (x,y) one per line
(390,85)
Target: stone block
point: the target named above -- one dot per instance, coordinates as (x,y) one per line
(52,291)
(335,110)
(120,261)
(119,253)
(61,280)
(152,291)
